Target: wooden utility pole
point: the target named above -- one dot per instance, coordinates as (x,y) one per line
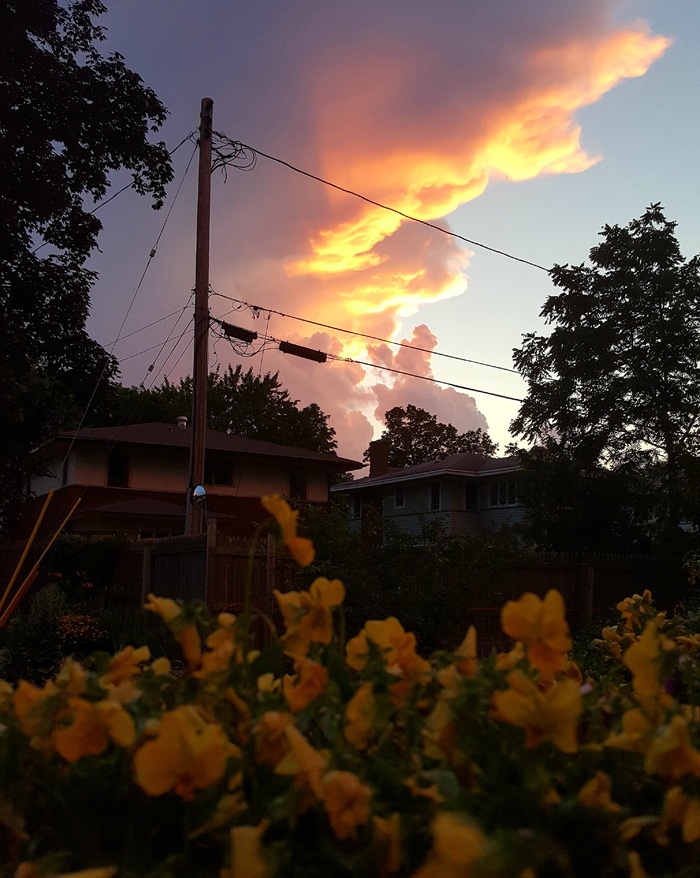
(200,368)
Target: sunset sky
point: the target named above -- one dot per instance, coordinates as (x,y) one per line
(525,126)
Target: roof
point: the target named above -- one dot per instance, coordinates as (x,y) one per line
(170,435)
(466,464)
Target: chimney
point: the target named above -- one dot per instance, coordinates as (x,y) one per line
(379,457)
(182,422)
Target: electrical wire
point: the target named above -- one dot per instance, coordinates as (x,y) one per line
(408,216)
(401,344)
(338,359)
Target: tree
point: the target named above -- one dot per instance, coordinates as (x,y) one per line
(241,402)
(416,436)
(68,117)
(617,382)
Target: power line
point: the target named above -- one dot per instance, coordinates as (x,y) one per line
(400,344)
(266,338)
(242,146)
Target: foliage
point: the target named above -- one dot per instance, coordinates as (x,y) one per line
(416,436)
(240,402)
(321,756)
(615,383)
(68,117)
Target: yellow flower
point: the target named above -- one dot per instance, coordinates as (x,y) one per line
(302,761)
(679,810)
(186,634)
(310,681)
(643,659)
(187,754)
(388,832)
(247,858)
(286,517)
(360,717)
(270,740)
(637,731)
(125,665)
(308,614)
(29,706)
(541,625)
(457,844)
(551,715)
(634,608)
(346,800)
(93,726)
(671,753)
(396,645)
(596,793)
(466,654)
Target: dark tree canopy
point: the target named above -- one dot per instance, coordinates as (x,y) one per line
(416,436)
(68,117)
(617,382)
(242,402)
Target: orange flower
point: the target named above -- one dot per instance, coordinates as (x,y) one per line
(302,761)
(125,665)
(679,810)
(551,715)
(187,754)
(456,845)
(286,517)
(308,614)
(185,633)
(635,608)
(221,647)
(466,654)
(346,800)
(270,740)
(396,645)
(29,705)
(92,728)
(360,717)
(309,683)
(643,659)
(247,853)
(596,793)
(671,753)
(541,625)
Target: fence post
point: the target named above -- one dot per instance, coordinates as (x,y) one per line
(146,564)
(585,611)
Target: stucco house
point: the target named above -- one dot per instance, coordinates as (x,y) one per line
(132,480)
(467,492)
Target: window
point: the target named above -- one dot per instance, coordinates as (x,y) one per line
(399,497)
(356,505)
(297,484)
(471,496)
(435,496)
(502,493)
(218,469)
(118,469)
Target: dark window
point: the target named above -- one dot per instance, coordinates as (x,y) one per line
(118,469)
(399,497)
(435,496)
(471,496)
(503,493)
(64,472)
(218,470)
(356,505)
(297,484)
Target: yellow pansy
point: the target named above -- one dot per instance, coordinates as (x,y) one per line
(92,727)
(125,665)
(635,608)
(72,678)
(396,645)
(247,857)
(682,811)
(301,548)
(303,688)
(186,634)
(457,844)
(637,730)
(541,625)
(671,753)
(596,793)
(347,802)
(465,654)
(302,762)
(551,715)
(308,614)
(187,754)
(28,702)
(643,659)
(360,717)
(270,740)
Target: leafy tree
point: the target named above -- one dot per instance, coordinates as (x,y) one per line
(68,117)
(242,402)
(416,436)
(617,382)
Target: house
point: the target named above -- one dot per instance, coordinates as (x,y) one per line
(468,492)
(133,480)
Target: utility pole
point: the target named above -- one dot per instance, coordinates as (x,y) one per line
(200,368)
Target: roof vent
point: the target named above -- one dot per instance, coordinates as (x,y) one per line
(182,422)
